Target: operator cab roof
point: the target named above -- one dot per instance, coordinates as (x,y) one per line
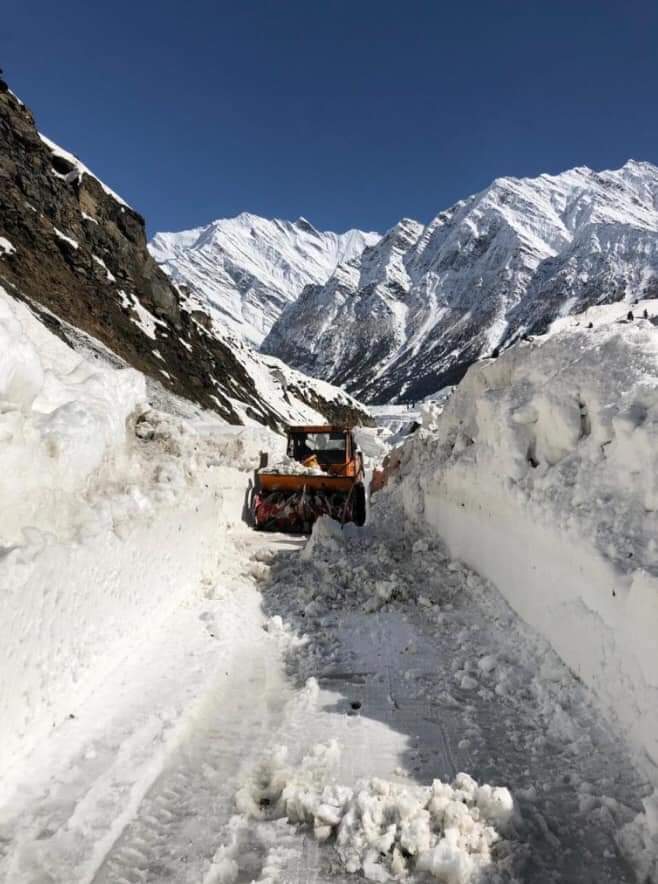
(319,428)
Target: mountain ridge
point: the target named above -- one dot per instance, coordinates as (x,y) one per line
(411,313)
(247,269)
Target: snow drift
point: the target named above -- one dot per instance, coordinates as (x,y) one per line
(541,474)
(110,514)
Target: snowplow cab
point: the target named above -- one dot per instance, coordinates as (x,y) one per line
(322,474)
(333,448)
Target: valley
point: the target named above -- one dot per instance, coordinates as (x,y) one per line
(464,688)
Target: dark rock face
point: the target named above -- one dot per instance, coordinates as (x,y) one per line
(79,258)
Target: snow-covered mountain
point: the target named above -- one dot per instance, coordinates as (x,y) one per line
(248,269)
(76,253)
(413,311)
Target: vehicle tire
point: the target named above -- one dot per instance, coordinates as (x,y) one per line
(359,508)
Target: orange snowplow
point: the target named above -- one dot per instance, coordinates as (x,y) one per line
(322,474)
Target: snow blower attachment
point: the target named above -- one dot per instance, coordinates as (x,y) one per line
(322,474)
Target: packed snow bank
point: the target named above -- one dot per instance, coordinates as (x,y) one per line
(61,419)
(396,422)
(542,474)
(110,515)
(381,829)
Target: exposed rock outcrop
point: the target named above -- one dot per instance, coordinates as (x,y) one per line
(76,253)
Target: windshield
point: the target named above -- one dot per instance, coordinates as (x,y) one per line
(328,447)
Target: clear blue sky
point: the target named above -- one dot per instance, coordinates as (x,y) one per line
(349,113)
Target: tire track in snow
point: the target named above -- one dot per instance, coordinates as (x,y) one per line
(174,833)
(96,776)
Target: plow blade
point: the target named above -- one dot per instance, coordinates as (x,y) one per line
(295,512)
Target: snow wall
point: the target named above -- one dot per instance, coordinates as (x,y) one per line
(542,475)
(71,611)
(111,514)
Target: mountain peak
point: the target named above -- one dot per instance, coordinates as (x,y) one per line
(243,217)
(302,224)
(425,302)
(248,268)
(640,166)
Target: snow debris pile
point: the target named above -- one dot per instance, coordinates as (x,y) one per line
(94,486)
(542,475)
(346,566)
(292,467)
(430,649)
(382,829)
(639,840)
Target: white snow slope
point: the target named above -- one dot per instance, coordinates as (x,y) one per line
(293,397)
(542,475)
(247,269)
(410,314)
(105,523)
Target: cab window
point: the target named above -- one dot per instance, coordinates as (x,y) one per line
(330,448)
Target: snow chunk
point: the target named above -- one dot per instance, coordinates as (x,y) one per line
(382,829)
(110,276)
(6,248)
(639,839)
(144,318)
(68,239)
